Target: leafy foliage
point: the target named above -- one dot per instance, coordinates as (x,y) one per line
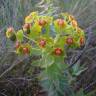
(51,48)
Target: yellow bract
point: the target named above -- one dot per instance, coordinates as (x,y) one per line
(33,14)
(8,34)
(36,28)
(74,23)
(20,49)
(71,18)
(48,19)
(30,18)
(60,25)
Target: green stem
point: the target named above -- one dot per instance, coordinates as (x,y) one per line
(30,39)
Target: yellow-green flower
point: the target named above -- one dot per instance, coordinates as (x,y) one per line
(48,19)
(23,49)
(74,23)
(30,18)
(33,14)
(9,32)
(60,24)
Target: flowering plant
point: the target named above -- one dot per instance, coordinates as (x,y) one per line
(50,38)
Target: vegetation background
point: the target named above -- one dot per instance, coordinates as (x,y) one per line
(13,12)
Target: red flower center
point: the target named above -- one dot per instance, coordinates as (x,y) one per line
(82,41)
(25,50)
(42,22)
(10,29)
(42,43)
(58,51)
(60,22)
(69,40)
(17,45)
(27,26)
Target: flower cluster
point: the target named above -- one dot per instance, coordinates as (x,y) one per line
(47,34)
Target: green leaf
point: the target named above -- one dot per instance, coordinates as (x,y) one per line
(80,93)
(77,69)
(35,51)
(59,61)
(54,82)
(35,31)
(80,71)
(36,62)
(19,35)
(47,60)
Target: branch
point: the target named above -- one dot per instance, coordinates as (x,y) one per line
(91,26)
(17,62)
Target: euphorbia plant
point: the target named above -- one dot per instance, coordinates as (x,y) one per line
(51,38)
